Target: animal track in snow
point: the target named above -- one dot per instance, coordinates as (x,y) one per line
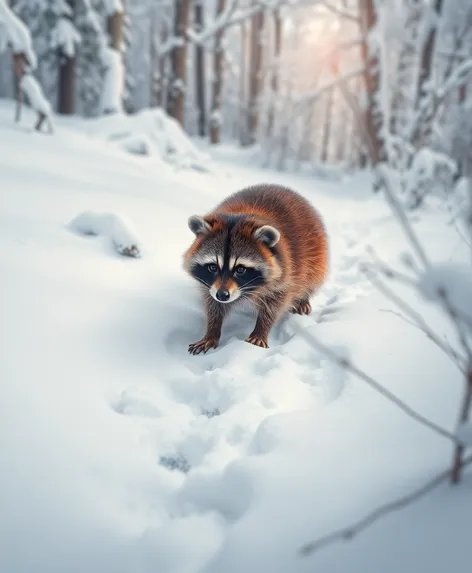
(221,406)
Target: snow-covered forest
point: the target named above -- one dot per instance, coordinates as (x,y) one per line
(344,447)
(330,83)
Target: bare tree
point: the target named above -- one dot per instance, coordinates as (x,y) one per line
(422,132)
(328,121)
(274,83)
(255,63)
(200,76)
(372,75)
(67,75)
(217,80)
(176,96)
(402,98)
(243,65)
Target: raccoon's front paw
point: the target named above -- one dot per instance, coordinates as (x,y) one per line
(257,341)
(203,345)
(301,307)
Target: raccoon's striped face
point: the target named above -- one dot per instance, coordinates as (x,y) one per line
(228,262)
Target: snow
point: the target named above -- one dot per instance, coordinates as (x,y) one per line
(17,34)
(113,6)
(113,82)
(117,228)
(121,452)
(150,132)
(30,86)
(65,36)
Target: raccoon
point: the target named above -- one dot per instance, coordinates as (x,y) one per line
(265,244)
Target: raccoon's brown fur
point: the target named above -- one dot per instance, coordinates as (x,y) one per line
(265,243)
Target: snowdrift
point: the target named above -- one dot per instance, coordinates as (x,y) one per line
(153,133)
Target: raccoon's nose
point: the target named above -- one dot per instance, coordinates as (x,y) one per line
(222,295)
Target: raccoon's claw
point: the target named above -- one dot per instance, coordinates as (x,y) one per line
(257,341)
(301,307)
(203,345)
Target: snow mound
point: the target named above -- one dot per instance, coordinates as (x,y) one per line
(117,228)
(152,132)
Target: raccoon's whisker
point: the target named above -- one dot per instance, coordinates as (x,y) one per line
(203,282)
(249,282)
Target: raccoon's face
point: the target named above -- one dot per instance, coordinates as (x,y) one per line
(231,255)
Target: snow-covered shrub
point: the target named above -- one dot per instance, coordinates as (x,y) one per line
(151,132)
(431,172)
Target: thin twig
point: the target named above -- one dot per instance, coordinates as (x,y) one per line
(348,365)
(347,533)
(401,216)
(454,355)
(457,463)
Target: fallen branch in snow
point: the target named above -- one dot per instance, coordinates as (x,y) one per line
(348,533)
(349,366)
(117,228)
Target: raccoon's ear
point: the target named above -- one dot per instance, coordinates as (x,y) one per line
(267,234)
(198,225)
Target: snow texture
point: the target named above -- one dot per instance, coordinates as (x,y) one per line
(123,453)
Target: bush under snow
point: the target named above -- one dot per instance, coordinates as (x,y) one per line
(151,132)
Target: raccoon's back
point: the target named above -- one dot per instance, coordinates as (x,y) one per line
(303,235)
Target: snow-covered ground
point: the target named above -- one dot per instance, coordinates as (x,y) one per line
(120,452)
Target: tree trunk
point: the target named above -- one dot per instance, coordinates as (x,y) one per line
(257,24)
(115,30)
(66,85)
(19,64)
(159,81)
(66,105)
(176,97)
(217,81)
(274,84)
(374,117)
(327,127)
(113,101)
(243,136)
(200,75)
(423,129)
(403,99)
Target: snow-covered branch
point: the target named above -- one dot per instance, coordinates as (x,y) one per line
(342,13)
(310,97)
(18,34)
(231,16)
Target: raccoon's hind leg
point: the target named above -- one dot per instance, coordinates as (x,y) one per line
(270,309)
(215,313)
